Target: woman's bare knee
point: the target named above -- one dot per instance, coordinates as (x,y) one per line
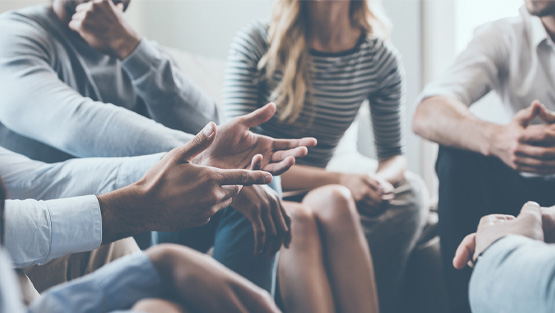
(333,204)
(157,306)
(303,223)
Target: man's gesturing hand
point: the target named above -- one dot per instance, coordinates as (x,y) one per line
(236,145)
(271,224)
(175,194)
(496,226)
(524,147)
(102,25)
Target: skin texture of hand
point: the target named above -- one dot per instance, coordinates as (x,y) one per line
(174,194)
(205,285)
(271,224)
(524,147)
(102,25)
(548,224)
(237,145)
(496,226)
(370,192)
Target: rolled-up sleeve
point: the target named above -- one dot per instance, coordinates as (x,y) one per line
(515,274)
(476,70)
(40,231)
(116,286)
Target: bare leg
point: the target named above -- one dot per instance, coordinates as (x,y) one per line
(346,252)
(157,306)
(303,281)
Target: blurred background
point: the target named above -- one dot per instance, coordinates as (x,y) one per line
(428,33)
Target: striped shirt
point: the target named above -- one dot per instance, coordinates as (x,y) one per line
(340,83)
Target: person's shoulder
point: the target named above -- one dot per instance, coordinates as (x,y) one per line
(501,31)
(34,16)
(27,23)
(253,38)
(381,50)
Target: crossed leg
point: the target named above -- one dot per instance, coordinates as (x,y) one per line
(328,266)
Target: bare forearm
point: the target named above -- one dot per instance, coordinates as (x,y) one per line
(392,169)
(450,123)
(308,177)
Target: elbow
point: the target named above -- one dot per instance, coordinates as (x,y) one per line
(420,120)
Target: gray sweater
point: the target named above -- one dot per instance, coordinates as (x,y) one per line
(59,98)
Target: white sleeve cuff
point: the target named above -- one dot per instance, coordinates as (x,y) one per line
(76,226)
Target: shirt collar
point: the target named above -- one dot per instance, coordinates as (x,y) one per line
(537,31)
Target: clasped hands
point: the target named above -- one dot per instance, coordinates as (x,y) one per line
(533,222)
(524,147)
(371,192)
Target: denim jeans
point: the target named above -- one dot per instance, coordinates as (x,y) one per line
(231,234)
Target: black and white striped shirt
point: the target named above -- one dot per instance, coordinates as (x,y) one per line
(340,82)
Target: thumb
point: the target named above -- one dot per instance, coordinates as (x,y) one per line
(259,116)
(199,143)
(525,116)
(545,114)
(531,210)
(530,221)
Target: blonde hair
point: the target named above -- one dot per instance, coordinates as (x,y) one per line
(288,53)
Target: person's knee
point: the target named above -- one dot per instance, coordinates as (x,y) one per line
(333,204)
(303,222)
(157,306)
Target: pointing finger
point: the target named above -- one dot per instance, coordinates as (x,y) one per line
(244,177)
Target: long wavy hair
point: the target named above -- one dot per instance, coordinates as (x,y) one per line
(288,53)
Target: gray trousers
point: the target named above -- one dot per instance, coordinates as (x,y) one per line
(393,234)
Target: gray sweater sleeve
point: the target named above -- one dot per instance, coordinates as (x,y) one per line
(25,178)
(516,274)
(35,103)
(171,98)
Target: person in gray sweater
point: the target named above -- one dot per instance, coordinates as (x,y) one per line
(77,81)
(513,260)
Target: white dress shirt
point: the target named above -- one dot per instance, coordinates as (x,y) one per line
(512,56)
(40,231)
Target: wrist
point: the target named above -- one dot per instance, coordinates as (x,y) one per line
(340,178)
(126,45)
(119,213)
(490,146)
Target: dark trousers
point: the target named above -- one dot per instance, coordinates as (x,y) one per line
(232,236)
(471,186)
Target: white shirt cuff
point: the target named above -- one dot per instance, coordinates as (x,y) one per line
(76,226)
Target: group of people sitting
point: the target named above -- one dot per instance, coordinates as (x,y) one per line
(99,157)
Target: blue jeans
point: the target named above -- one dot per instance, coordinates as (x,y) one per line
(232,236)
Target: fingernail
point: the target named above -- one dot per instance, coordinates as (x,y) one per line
(208,130)
(533,203)
(269,179)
